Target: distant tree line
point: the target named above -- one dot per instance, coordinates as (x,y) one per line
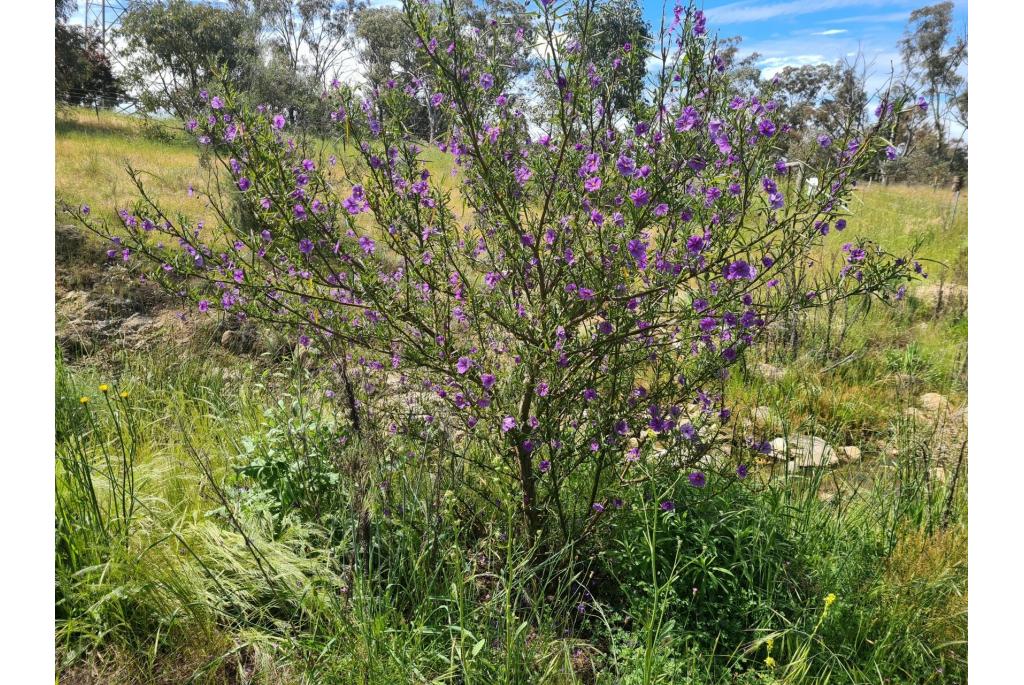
(286,53)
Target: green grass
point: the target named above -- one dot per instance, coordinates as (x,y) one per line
(196,589)
(259,551)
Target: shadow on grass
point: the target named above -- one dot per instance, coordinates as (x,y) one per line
(151,130)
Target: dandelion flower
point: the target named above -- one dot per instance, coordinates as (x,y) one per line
(83,400)
(104,388)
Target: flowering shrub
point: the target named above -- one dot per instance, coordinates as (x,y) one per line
(574,311)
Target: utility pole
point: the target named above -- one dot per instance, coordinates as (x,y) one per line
(103,16)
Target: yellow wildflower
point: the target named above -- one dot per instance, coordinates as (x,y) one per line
(830,599)
(124,394)
(83,400)
(769,662)
(104,387)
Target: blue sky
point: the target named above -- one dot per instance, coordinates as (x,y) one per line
(797,32)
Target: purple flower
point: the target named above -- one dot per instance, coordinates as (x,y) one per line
(544,466)
(697,479)
(278,122)
(638,250)
(507,424)
(668,505)
(922,103)
(300,212)
(86,210)
(625,165)
(890,152)
(688,119)
(589,394)
(592,184)
(216,102)
(487,380)
(522,175)
(766,128)
(687,431)
(204,306)
(824,140)
(367,244)
(542,389)
(740,270)
(741,470)
(486,81)
(640,197)
(590,165)
(305,246)
(597,507)
(699,24)
(243,184)
(464,365)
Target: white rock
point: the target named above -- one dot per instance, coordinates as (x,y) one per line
(769,372)
(849,453)
(915,414)
(933,403)
(805,451)
(765,418)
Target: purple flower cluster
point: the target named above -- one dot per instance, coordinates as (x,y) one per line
(579,294)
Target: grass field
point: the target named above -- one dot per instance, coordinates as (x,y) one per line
(184,570)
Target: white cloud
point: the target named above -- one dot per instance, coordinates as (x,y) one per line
(830,32)
(750,10)
(773,65)
(872,18)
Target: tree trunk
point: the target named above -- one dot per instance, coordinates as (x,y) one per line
(528,482)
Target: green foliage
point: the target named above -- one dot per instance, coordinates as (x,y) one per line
(171,47)
(83,73)
(435,591)
(606,30)
(295,460)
